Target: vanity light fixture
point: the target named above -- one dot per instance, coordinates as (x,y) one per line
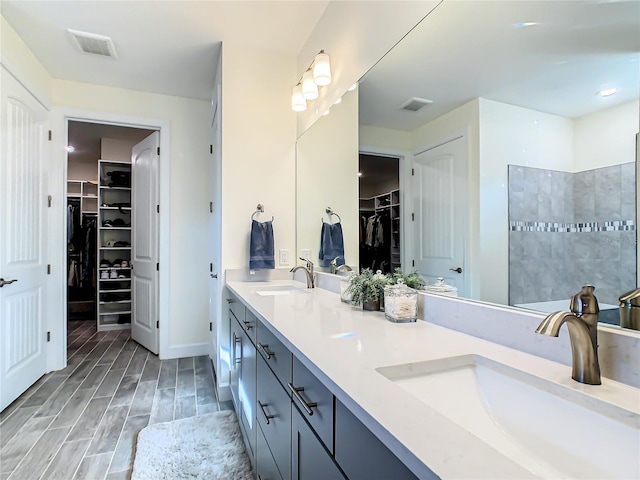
(352,87)
(339,100)
(317,75)
(607,92)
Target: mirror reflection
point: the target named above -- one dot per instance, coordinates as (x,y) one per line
(515,124)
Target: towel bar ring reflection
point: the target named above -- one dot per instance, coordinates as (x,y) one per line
(259,209)
(330,212)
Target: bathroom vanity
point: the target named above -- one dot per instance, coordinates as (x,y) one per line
(324,390)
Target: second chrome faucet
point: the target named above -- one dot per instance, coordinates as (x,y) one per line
(582,322)
(308,270)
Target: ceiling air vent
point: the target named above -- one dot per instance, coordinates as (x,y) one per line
(94,44)
(414,104)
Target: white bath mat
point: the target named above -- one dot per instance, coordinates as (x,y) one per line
(207,447)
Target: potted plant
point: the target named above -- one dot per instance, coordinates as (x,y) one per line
(367,289)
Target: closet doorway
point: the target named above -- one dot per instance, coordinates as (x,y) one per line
(100,227)
(380,212)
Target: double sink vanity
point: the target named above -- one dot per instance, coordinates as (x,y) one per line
(325,390)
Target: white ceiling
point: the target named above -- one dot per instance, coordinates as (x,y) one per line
(168,47)
(469,49)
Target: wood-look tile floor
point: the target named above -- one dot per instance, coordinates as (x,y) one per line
(82,422)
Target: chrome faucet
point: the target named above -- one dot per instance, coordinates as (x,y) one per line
(582,322)
(337,269)
(308,270)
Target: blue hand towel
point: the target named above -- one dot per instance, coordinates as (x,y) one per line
(331,244)
(261,246)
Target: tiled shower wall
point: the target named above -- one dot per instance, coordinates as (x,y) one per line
(570,229)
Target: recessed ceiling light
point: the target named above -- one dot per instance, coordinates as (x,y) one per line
(607,92)
(359,174)
(525,24)
(70,148)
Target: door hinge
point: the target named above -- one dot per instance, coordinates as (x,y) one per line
(413,263)
(49,200)
(158,208)
(48,336)
(210,207)
(211,149)
(50,136)
(158,150)
(211,326)
(157,267)
(413,172)
(49,269)
(158,324)
(211,267)
(413,217)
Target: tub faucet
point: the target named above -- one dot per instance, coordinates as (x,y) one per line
(308,270)
(337,269)
(582,322)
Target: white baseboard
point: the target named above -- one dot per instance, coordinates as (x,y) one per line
(224,394)
(181,351)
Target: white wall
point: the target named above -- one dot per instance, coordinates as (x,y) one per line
(22,62)
(189,203)
(355,35)
(258,148)
(378,138)
(327,167)
(116,149)
(511,135)
(606,138)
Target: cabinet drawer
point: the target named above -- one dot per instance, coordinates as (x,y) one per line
(266,466)
(361,455)
(249,324)
(314,400)
(273,410)
(311,461)
(247,387)
(236,307)
(277,356)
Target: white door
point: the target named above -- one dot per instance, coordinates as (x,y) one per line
(214,240)
(440,199)
(144,254)
(22,228)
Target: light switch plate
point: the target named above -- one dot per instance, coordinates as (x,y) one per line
(284,256)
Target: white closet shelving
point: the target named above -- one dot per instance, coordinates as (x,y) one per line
(87,192)
(386,202)
(114,245)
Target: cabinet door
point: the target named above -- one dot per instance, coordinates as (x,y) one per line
(278,356)
(266,466)
(361,455)
(235,359)
(247,391)
(310,460)
(273,410)
(315,401)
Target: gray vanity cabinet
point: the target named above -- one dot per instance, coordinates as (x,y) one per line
(235,358)
(248,387)
(310,459)
(277,356)
(273,409)
(315,401)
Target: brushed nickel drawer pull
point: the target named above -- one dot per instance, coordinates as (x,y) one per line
(236,340)
(247,325)
(265,349)
(266,417)
(230,300)
(307,405)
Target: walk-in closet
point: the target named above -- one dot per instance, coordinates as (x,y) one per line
(379,212)
(99,223)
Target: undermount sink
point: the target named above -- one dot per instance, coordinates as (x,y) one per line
(280,290)
(550,429)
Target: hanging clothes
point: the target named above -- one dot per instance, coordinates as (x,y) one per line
(88,250)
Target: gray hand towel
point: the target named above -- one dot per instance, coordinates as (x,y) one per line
(331,244)
(261,246)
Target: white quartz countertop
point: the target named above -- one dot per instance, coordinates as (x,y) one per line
(343,345)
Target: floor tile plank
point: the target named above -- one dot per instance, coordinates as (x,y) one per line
(57,401)
(168,374)
(185,407)
(14,423)
(151,369)
(143,399)
(106,437)
(67,460)
(123,456)
(45,391)
(19,446)
(186,383)
(93,467)
(163,406)
(90,419)
(110,383)
(36,461)
(126,390)
(71,412)
(185,363)
(205,389)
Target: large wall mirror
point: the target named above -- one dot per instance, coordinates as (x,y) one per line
(524,161)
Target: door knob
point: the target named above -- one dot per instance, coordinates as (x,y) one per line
(4,282)
(458,269)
